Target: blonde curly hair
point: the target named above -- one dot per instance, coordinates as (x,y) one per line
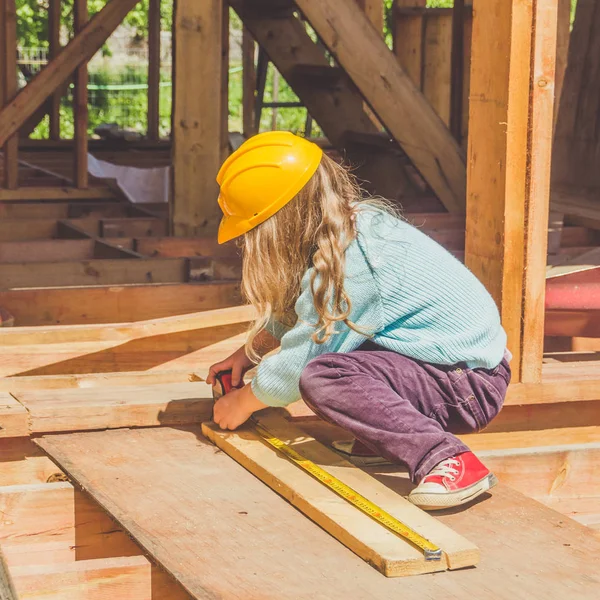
(314,230)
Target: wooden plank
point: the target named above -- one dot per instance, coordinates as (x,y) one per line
(133,227)
(125,577)
(374,11)
(67,194)
(153,69)
(45,250)
(437,72)
(248,82)
(177,247)
(196,116)
(14,421)
(22,462)
(44,512)
(408,39)
(576,147)
(8,23)
(505,165)
(115,304)
(120,332)
(251,523)
(392,95)
(384,550)
(224,133)
(80,104)
(189,350)
(92,380)
(563,36)
(54,46)
(457,60)
(112,408)
(79,50)
(94,272)
(538,190)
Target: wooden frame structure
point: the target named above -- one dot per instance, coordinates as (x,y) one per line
(118,309)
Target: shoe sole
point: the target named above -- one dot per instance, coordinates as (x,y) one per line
(452,499)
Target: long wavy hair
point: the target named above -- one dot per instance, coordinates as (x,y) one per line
(314,230)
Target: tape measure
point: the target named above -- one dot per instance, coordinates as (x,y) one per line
(431,552)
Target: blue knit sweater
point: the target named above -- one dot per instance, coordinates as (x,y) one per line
(408,295)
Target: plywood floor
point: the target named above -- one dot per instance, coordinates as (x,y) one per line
(224,534)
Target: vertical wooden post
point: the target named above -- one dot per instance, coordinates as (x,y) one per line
(457,62)
(508,172)
(563,36)
(409,38)
(197,107)
(8,56)
(153,69)
(248,83)
(225,82)
(373,10)
(80,104)
(54,44)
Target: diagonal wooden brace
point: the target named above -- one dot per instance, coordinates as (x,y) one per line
(78,51)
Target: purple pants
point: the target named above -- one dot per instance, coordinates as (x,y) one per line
(405,410)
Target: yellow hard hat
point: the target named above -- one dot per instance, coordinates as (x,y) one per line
(261,177)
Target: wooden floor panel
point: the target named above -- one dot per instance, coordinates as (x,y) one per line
(224,534)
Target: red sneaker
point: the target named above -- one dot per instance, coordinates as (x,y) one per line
(453,482)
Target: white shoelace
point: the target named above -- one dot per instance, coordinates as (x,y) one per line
(446,469)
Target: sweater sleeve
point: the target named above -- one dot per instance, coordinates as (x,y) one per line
(276,382)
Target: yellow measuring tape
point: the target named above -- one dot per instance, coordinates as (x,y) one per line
(430,550)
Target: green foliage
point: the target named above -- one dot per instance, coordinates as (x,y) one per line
(32,19)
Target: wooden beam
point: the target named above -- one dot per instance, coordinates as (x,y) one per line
(437,63)
(54,14)
(95,272)
(408,39)
(563,37)
(89,380)
(153,69)
(79,50)
(224,138)
(197,123)
(13,417)
(67,194)
(374,11)
(80,104)
(115,304)
(412,122)
(388,553)
(8,24)
(457,68)
(114,407)
(248,82)
(508,170)
(45,511)
(128,577)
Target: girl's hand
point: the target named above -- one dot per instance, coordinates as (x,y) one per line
(236,407)
(238,362)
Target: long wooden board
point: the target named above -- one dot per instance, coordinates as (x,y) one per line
(381,548)
(115,304)
(223,534)
(94,272)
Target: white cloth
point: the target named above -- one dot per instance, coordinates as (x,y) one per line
(139,185)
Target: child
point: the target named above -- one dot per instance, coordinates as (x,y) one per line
(381,330)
